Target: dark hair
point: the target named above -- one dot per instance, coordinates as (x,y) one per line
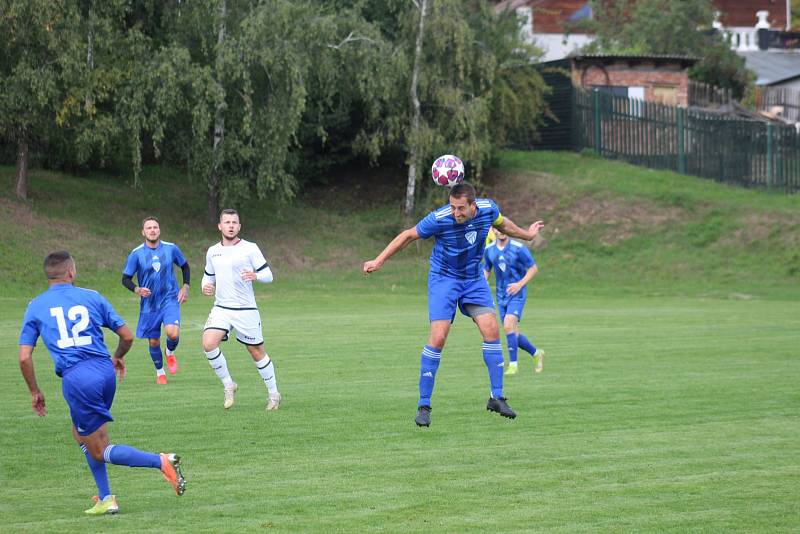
(151,218)
(228,211)
(56,264)
(463,189)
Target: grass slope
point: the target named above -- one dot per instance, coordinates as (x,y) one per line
(668,403)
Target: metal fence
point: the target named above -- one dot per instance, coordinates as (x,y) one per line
(727,149)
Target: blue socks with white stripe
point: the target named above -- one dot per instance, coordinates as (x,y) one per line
(493,357)
(117,455)
(428,366)
(99,473)
(127,455)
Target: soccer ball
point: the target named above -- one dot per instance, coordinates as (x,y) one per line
(447,171)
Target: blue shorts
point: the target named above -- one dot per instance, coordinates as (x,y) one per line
(89,387)
(513,306)
(445,293)
(150,323)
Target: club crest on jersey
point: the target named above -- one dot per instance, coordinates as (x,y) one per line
(502,266)
(156,264)
(471,236)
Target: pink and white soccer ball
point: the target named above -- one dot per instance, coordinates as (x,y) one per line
(447,171)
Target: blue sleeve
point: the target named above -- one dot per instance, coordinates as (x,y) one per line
(487,260)
(30,328)
(178,258)
(495,211)
(110,317)
(131,265)
(427,226)
(527,258)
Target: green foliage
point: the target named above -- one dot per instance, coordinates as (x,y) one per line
(31,67)
(293,88)
(667,27)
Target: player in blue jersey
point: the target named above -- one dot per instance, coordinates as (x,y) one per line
(514,267)
(456,280)
(151,263)
(69,320)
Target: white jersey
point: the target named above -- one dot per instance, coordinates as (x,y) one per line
(225,266)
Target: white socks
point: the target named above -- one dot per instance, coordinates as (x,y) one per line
(267,372)
(217,361)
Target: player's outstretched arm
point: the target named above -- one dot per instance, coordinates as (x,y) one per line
(29,374)
(508,227)
(395,245)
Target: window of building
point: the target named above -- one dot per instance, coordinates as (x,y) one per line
(665,94)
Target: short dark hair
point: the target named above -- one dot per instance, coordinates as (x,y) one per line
(228,211)
(463,189)
(150,218)
(56,264)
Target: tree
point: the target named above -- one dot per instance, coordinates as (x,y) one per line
(31,74)
(667,27)
(472,75)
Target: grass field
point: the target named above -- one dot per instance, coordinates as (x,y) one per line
(669,402)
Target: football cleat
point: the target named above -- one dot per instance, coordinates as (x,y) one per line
(538,359)
(500,406)
(161,379)
(511,369)
(423,417)
(229,393)
(172,364)
(171,469)
(106,506)
(273,401)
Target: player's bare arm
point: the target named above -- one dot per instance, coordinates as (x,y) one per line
(29,374)
(142,291)
(124,345)
(395,245)
(508,227)
(183,293)
(517,286)
(208,289)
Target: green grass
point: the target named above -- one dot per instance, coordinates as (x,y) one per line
(669,400)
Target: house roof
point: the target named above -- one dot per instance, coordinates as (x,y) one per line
(773,66)
(742,13)
(684,60)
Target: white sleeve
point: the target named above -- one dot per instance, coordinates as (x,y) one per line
(260,266)
(209,277)
(264,275)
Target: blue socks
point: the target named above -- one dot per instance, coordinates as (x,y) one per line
(126,455)
(493,357)
(158,359)
(512,346)
(526,345)
(428,366)
(172,344)
(99,473)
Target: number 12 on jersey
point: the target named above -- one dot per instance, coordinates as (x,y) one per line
(75,313)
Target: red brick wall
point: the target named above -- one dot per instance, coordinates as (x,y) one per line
(646,74)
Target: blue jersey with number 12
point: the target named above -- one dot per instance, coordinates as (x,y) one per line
(69,320)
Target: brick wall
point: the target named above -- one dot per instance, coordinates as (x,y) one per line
(659,81)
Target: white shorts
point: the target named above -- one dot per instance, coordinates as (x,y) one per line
(247,324)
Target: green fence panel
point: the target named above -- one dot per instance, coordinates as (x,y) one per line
(729,149)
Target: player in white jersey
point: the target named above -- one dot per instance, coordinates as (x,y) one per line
(232,265)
